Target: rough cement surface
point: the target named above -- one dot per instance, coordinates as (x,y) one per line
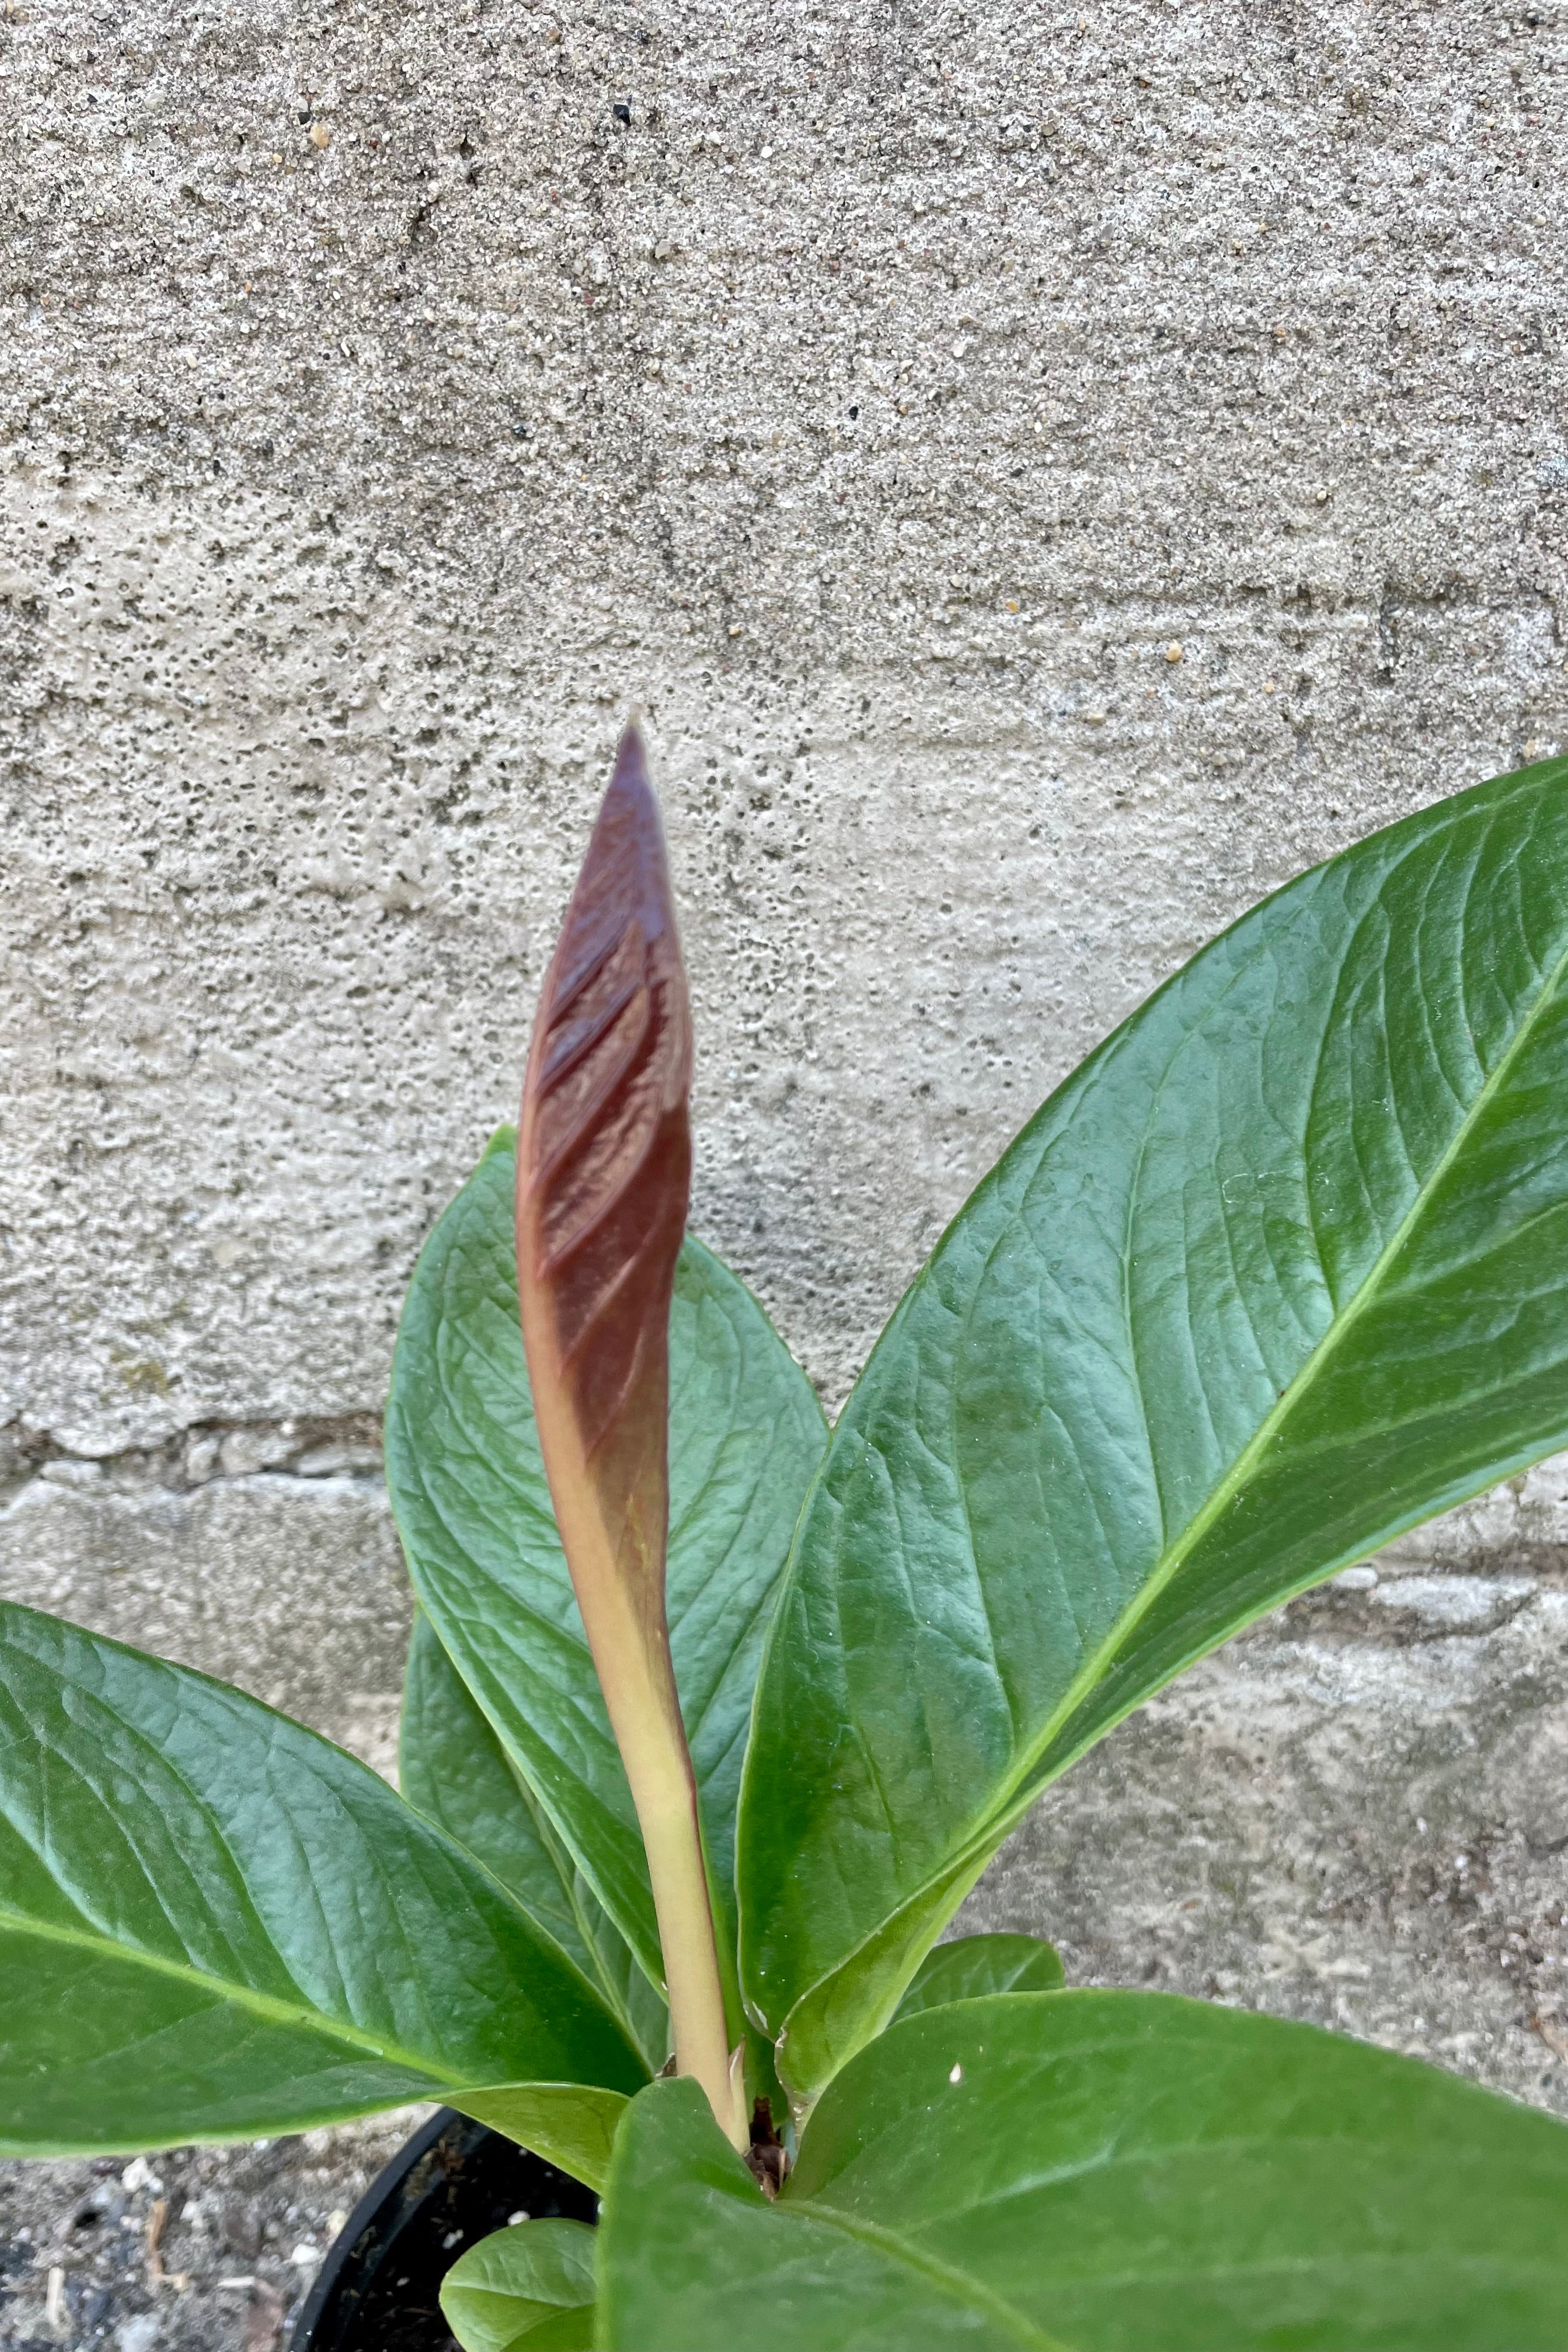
(1047,473)
(882,405)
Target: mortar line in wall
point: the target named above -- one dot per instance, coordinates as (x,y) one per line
(303,1448)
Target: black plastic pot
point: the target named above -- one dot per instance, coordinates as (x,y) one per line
(455,2181)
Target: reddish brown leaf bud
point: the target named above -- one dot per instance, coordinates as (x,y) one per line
(604,1172)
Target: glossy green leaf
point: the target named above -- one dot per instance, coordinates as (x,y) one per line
(689,2250)
(453,1770)
(526,2289)
(472,1505)
(1280,1271)
(215,1925)
(972,1965)
(1119,2172)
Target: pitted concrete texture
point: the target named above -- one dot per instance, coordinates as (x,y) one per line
(1046,473)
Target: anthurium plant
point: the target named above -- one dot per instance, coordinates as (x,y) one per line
(713,1717)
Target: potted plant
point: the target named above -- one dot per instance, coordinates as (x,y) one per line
(713,1717)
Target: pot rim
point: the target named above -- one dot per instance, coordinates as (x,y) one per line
(387,2181)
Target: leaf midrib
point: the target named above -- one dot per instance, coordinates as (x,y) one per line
(249,1997)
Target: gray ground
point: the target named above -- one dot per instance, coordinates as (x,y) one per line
(1049,472)
(199,2250)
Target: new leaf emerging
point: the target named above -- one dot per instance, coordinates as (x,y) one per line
(603,1177)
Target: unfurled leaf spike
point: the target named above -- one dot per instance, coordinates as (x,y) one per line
(603,1179)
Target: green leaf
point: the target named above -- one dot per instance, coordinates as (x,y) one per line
(532,2286)
(572,2124)
(1121,2172)
(972,1965)
(1278,1274)
(454,1770)
(215,1925)
(690,2250)
(473,1505)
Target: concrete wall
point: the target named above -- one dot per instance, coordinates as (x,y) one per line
(1046,472)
